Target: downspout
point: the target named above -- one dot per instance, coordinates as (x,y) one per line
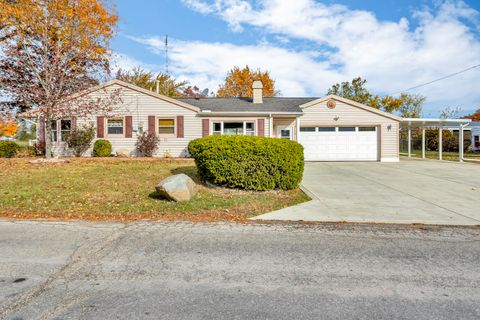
(460,143)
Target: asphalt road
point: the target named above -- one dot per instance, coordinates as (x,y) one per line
(229,271)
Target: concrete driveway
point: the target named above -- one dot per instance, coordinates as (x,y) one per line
(410,191)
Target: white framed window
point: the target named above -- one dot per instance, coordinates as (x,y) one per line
(115,126)
(54,131)
(346,129)
(326,129)
(166,126)
(307,129)
(233,128)
(367,129)
(65,128)
(59,129)
(249,129)
(285,132)
(217,128)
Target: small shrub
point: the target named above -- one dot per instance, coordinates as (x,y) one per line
(8,149)
(80,139)
(252,163)
(102,148)
(26,152)
(40,148)
(147,143)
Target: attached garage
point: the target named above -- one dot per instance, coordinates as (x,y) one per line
(338,129)
(345,143)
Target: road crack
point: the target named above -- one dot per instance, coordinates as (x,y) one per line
(83,256)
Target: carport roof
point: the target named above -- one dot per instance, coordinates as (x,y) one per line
(434,122)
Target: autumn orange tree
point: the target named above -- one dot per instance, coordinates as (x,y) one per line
(238,83)
(474,116)
(50,50)
(408,105)
(8,129)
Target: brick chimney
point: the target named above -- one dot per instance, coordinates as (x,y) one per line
(257,91)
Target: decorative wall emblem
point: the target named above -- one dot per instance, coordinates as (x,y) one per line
(331,104)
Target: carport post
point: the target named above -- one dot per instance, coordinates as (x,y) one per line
(423,142)
(409,142)
(460,143)
(440,143)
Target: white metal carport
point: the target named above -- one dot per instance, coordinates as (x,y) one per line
(424,123)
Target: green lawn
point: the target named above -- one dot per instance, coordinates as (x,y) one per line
(451,156)
(122,189)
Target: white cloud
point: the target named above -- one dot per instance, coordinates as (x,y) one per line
(199,6)
(206,64)
(125,62)
(391,55)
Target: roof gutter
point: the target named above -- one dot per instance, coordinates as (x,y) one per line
(239,113)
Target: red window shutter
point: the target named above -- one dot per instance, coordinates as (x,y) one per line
(180,128)
(74,123)
(100,127)
(205,127)
(128,127)
(261,128)
(151,124)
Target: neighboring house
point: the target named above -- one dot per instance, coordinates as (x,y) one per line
(475,128)
(330,128)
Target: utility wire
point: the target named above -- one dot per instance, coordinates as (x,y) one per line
(439,79)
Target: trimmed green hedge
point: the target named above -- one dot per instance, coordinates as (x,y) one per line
(102,148)
(8,149)
(252,163)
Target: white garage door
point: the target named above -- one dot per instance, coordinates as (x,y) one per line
(359,143)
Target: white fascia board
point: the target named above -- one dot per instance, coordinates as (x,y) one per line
(250,113)
(435,120)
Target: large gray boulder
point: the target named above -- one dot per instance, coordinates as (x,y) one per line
(179,187)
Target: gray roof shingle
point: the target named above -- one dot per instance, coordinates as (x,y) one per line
(275,104)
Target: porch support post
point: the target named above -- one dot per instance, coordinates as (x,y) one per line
(297,130)
(409,142)
(440,143)
(271,127)
(423,142)
(460,143)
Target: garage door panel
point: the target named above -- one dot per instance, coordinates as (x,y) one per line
(340,145)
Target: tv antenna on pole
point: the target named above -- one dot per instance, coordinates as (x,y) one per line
(166,54)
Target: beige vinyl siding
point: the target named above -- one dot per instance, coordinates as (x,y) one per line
(320,114)
(140,106)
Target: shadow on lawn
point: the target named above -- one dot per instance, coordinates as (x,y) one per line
(157,196)
(190,171)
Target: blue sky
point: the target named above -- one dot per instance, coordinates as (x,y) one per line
(309,45)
